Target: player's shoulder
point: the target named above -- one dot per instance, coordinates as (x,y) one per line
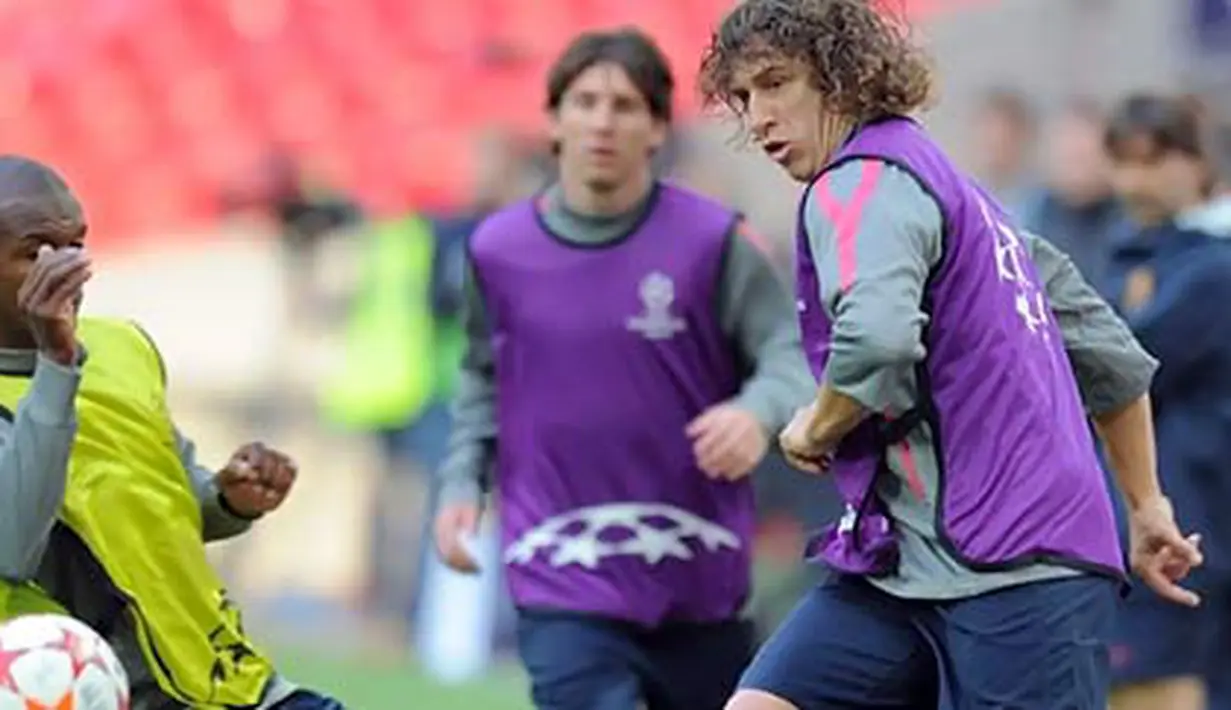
(706,217)
(495,227)
(865,178)
(859,187)
(104,333)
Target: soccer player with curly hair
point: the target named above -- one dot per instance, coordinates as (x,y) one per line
(978,563)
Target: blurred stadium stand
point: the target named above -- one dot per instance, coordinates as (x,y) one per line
(151,107)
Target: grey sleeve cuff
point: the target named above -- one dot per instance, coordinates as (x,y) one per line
(1121,386)
(53,393)
(220,521)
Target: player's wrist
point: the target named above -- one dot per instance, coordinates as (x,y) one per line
(1148,501)
(236,511)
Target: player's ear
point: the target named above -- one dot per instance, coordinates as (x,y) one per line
(554,132)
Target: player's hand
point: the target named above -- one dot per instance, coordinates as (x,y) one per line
(455,524)
(798,448)
(49,298)
(256,480)
(1161,555)
(727,442)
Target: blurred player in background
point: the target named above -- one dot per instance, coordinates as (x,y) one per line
(107,510)
(629,353)
(979,539)
(1166,279)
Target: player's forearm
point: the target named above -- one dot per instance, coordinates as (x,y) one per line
(218,523)
(1128,438)
(836,414)
(34,461)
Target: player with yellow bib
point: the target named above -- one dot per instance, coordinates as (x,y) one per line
(106,511)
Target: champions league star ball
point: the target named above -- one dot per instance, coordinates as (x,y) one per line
(52,662)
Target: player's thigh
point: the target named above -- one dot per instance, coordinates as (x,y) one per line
(846,645)
(695,666)
(1039,646)
(578,663)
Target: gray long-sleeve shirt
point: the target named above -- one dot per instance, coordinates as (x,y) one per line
(754,310)
(877,337)
(35,447)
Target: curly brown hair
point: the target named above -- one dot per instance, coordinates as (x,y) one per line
(862,59)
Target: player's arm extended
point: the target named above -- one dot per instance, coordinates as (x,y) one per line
(756,311)
(219,522)
(875,234)
(35,446)
(472,442)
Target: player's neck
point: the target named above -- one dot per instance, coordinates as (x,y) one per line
(584,200)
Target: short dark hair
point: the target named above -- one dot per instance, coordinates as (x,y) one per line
(862,59)
(630,49)
(1172,124)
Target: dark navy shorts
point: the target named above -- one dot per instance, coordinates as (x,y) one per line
(584,663)
(1155,640)
(1037,646)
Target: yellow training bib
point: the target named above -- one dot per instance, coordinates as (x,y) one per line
(132,503)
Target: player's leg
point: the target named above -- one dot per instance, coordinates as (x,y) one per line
(308,700)
(579,663)
(695,666)
(1159,652)
(1039,646)
(847,645)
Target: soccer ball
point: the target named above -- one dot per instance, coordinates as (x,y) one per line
(50,662)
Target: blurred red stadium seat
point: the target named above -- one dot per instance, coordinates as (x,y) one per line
(158,104)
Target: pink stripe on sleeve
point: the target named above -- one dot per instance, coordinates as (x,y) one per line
(847,216)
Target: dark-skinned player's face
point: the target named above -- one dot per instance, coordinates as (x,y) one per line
(604,128)
(26,225)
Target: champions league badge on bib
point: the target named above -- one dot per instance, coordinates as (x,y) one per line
(657,322)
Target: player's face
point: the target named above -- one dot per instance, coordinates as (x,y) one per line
(25,227)
(784,113)
(604,127)
(1156,185)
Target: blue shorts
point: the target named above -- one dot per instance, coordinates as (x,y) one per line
(584,663)
(849,645)
(1155,639)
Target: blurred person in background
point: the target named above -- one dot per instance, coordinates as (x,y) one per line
(1170,279)
(1076,209)
(304,214)
(108,510)
(629,352)
(977,561)
(1006,131)
(448,605)
(403,343)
